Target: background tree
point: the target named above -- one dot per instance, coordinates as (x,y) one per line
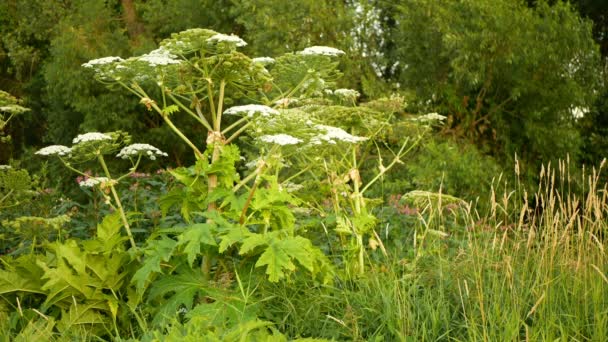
(508,75)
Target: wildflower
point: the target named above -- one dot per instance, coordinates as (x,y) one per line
(5,167)
(333,134)
(101,61)
(137,149)
(93,181)
(228,39)
(91,136)
(322,50)
(347,93)
(52,150)
(430,117)
(263,60)
(251,109)
(578,112)
(159,56)
(285,102)
(280,139)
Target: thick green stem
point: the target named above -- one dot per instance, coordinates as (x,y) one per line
(176,130)
(238,132)
(396,160)
(200,119)
(121,210)
(236,124)
(220,105)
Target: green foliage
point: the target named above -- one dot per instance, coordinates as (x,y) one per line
(507,75)
(455,169)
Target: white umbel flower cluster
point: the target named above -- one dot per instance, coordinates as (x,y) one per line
(5,167)
(234,39)
(430,117)
(280,139)
(54,150)
(158,57)
(286,101)
(334,134)
(101,61)
(347,93)
(91,136)
(251,109)
(93,181)
(578,112)
(263,60)
(147,150)
(322,50)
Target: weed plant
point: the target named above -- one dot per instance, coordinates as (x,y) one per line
(525,272)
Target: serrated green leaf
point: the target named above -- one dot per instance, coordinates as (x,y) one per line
(156,252)
(71,253)
(170,109)
(193,237)
(80,314)
(14,282)
(175,291)
(109,227)
(299,248)
(234,234)
(276,260)
(251,242)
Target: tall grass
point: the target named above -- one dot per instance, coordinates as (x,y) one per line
(533,269)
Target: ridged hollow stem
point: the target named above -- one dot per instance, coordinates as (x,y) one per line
(357,199)
(197,152)
(121,210)
(199,119)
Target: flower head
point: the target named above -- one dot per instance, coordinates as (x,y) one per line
(430,117)
(578,112)
(280,139)
(5,167)
(101,61)
(159,56)
(58,150)
(322,50)
(91,136)
(93,181)
(347,93)
(233,39)
(143,149)
(333,134)
(251,110)
(263,60)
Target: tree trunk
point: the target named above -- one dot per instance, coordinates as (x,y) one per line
(134,26)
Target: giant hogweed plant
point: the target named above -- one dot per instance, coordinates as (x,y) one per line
(238,218)
(199,73)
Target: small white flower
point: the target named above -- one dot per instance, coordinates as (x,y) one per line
(290,187)
(430,117)
(280,139)
(322,50)
(52,150)
(5,167)
(159,56)
(263,60)
(101,61)
(251,110)
(285,102)
(91,136)
(578,112)
(234,39)
(333,134)
(93,181)
(137,149)
(347,93)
